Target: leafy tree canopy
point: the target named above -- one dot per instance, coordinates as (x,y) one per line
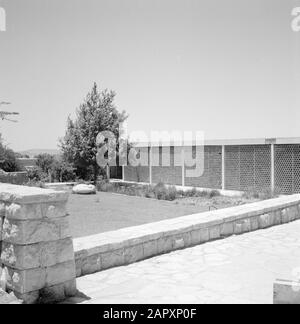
(96,114)
(8,161)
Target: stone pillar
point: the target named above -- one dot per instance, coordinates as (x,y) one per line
(37,247)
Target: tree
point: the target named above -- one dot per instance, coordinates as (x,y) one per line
(44,162)
(8,161)
(62,171)
(98,113)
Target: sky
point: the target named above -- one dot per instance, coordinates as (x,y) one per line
(230,68)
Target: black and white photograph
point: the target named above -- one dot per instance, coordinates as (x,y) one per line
(149,155)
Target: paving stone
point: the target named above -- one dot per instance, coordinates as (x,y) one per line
(232,270)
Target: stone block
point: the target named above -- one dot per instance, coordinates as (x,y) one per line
(25,281)
(187,238)
(293,213)
(277,217)
(254,223)
(37,255)
(264,221)
(58,292)
(285,216)
(298,214)
(178,243)
(204,235)
(70,288)
(214,232)
(28,298)
(226,229)
(150,249)
(286,292)
(23,212)
(111,259)
(54,210)
(52,294)
(242,226)
(36,211)
(35,231)
(133,253)
(60,273)
(164,244)
(91,264)
(196,237)
(26,195)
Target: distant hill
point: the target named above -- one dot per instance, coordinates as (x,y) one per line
(32,153)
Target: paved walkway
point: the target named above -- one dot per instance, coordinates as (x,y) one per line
(239,269)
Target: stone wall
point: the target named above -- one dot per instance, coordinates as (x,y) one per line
(17,178)
(128,245)
(36,243)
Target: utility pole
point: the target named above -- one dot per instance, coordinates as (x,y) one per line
(4,114)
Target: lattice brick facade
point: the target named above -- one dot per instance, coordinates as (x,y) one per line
(247,167)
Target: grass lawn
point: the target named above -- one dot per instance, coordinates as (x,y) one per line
(93,214)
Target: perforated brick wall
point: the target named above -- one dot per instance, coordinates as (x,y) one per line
(287,168)
(248,167)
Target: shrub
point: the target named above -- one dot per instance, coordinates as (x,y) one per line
(261,194)
(214,193)
(160,191)
(171,193)
(45,161)
(101,185)
(149,192)
(190,193)
(37,175)
(62,171)
(8,161)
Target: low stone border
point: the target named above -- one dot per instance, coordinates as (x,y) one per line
(18,178)
(286,292)
(106,250)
